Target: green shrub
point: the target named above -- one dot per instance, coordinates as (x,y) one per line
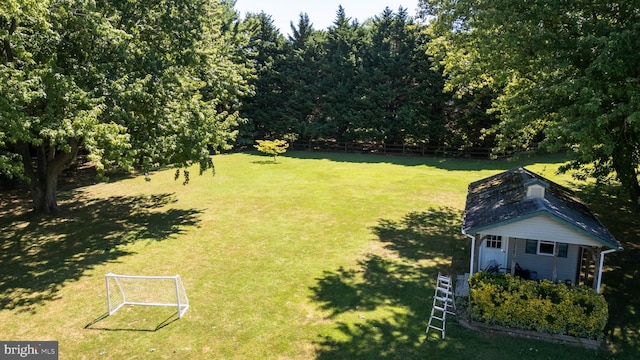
(542,306)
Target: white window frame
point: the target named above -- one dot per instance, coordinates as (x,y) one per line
(542,242)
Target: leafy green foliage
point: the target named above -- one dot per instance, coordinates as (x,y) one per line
(541,306)
(301,97)
(134,84)
(180,79)
(266,50)
(50,65)
(400,93)
(563,74)
(272,147)
(351,82)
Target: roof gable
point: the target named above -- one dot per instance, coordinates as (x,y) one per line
(502,199)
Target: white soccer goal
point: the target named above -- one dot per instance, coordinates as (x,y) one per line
(145,290)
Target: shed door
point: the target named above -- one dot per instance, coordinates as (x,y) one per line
(493,253)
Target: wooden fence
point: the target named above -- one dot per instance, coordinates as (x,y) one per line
(393,149)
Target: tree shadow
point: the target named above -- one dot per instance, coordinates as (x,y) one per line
(396,285)
(399,281)
(397,336)
(377,282)
(425,235)
(38,255)
(265,162)
(621,278)
(445,163)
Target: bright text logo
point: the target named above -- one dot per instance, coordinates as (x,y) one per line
(36,350)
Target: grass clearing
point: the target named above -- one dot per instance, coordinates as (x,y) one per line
(325,256)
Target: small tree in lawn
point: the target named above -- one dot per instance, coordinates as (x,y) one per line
(272,147)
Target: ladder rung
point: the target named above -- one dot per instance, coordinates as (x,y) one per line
(442,302)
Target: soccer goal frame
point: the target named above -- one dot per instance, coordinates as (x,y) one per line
(130,290)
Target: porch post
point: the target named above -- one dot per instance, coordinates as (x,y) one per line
(602,254)
(477,251)
(595,254)
(473,252)
(514,259)
(554,275)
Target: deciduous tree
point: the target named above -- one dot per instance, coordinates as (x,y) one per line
(272,147)
(566,75)
(131,83)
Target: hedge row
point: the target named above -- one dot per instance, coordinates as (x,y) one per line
(542,306)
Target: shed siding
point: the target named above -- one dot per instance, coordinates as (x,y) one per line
(542,227)
(543,264)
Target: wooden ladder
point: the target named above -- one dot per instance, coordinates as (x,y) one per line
(443,304)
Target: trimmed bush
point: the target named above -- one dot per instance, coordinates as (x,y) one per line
(542,306)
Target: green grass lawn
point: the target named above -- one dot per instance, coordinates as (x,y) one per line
(319,256)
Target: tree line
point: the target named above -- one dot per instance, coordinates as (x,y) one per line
(138,84)
(369,82)
(514,75)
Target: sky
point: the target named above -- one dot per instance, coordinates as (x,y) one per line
(321,13)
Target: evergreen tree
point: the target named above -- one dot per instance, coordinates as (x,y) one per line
(371,82)
(388,76)
(402,95)
(301,74)
(341,71)
(427,122)
(264,110)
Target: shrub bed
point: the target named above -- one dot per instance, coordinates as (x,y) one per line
(542,306)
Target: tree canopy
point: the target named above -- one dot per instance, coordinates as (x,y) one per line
(565,75)
(272,147)
(134,84)
(350,82)
(138,84)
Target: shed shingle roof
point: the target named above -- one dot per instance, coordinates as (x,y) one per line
(502,199)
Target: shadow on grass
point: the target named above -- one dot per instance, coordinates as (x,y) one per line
(265,162)
(39,254)
(430,235)
(399,281)
(396,284)
(445,163)
(621,278)
(103,323)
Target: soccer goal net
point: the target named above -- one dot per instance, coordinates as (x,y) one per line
(145,290)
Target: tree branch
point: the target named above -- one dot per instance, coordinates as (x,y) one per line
(7,44)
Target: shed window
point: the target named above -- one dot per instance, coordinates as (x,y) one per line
(546,248)
(563,250)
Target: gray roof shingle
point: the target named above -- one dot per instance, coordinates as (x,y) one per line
(502,199)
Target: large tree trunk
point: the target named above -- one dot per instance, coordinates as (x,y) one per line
(42,166)
(44,194)
(627,169)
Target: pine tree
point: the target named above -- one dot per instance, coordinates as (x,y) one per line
(264,109)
